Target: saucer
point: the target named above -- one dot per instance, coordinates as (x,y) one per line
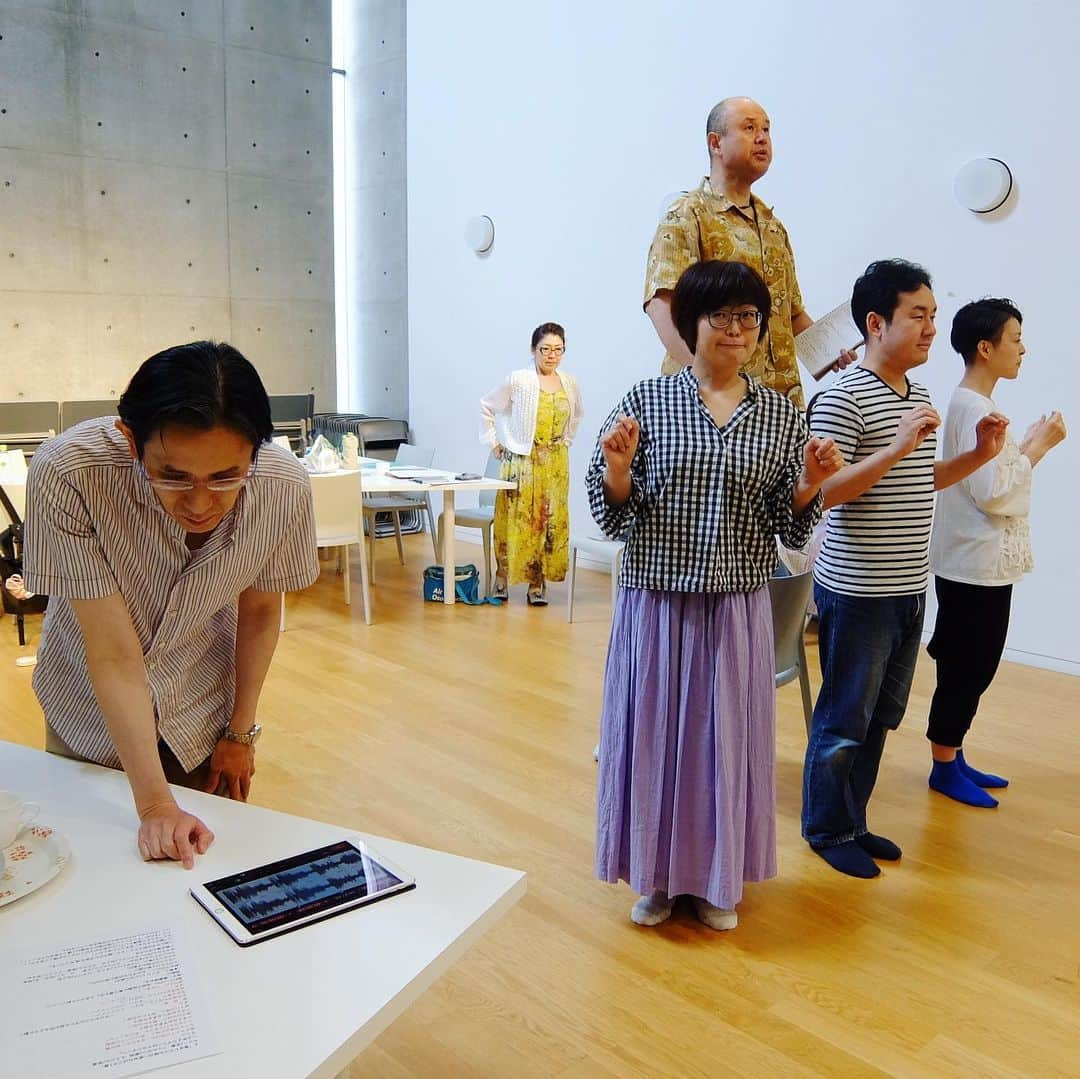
(36,856)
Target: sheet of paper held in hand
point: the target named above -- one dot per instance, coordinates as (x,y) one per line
(117,1006)
(819,346)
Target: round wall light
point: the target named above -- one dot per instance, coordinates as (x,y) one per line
(983,184)
(480,234)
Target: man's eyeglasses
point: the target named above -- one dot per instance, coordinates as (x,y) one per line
(222,486)
(552,350)
(748,320)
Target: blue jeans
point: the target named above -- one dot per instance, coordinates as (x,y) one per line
(868,647)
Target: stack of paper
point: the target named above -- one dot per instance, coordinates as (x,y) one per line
(420,474)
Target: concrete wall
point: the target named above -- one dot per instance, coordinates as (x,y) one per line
(568,125)
(165,175)
(376,257)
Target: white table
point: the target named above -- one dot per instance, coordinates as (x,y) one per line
(377,482)
(303,1004)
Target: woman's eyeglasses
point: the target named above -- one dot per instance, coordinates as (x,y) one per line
(552,350)
(748,320)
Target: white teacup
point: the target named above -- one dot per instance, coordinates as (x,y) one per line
(15,815)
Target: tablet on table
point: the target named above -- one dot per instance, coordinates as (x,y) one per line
(268,900)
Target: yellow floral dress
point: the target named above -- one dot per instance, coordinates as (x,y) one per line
(532,523)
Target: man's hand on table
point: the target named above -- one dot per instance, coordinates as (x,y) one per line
(168,832)
(231,766)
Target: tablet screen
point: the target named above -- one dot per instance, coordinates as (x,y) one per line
(275,895)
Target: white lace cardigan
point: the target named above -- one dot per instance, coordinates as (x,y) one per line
(508,413)
(981,531)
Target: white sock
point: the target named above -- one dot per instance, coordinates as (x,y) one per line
(652,909)
(714,917)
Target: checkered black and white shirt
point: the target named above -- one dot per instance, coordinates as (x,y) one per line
(706,502)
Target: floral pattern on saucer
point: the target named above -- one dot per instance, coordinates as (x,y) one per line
(38,855)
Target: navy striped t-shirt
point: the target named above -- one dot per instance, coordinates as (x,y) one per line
(877,544)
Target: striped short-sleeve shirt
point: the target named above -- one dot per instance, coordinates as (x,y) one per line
(877,544)
(94,527)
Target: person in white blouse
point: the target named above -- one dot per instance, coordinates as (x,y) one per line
(529,422)
(980,546)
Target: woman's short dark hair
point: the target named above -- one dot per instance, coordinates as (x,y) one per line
(544,329)
(200,385)
(981,320)
(879,288)
(705,287)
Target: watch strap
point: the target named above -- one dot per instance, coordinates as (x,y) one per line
(245,738)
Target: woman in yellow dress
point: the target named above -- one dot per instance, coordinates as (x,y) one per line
(529,422)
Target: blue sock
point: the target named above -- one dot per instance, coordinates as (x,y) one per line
(947,778)
(849,858)
(877,846)
(980,779)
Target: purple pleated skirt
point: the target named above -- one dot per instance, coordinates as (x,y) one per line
(687,782)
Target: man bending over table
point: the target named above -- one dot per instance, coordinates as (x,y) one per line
(163,540)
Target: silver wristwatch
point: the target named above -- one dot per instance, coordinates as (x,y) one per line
(248,738)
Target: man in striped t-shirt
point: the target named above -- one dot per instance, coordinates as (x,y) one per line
(871,576)
(163,540)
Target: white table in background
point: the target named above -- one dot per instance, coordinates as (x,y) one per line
(377,483)
(303,1004)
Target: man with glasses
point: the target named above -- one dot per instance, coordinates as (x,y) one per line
(721,219)
(164,540)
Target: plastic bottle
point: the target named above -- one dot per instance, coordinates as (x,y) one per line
(350,450)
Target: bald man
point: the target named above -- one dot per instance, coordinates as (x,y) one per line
(722,219)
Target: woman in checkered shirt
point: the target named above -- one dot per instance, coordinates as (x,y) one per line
(699,472)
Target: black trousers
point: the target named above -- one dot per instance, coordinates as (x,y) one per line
(969,637)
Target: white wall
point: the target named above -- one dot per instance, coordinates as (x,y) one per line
(164,176)
(568,124)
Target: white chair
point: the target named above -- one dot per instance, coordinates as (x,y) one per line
(13,479)
(603,550)
(337,498)
(790,596)
(395,505)
(481,516)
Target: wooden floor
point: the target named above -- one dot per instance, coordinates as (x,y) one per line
(471,730)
